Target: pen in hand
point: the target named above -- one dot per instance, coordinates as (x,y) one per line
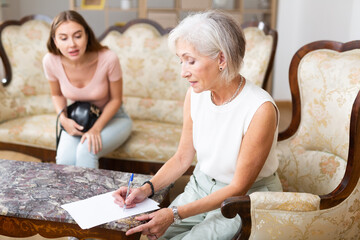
(128,189)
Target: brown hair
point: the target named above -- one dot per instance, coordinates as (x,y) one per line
(92,45)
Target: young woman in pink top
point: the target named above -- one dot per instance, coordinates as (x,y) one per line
(79,68)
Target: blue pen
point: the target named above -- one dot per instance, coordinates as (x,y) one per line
(128,189)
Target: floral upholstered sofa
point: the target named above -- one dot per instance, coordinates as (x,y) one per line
(153,89)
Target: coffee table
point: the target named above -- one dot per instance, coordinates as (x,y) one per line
(31,195)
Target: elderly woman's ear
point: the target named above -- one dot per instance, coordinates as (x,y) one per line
(221,61)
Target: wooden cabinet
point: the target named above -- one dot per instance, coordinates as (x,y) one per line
(168,13)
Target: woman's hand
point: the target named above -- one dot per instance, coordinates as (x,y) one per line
(71,127)
(158,223)
(94,140)
(136,195)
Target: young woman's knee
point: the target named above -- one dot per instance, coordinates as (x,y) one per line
(85,156)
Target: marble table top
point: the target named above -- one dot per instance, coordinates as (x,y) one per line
(35,190)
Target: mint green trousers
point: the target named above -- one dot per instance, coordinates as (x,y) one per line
(211,225)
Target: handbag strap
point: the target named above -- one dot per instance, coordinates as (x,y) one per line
(58,133)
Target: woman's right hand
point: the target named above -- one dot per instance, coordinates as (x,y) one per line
(136,195)
(70,126)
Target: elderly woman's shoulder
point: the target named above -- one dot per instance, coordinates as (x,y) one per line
(259,92)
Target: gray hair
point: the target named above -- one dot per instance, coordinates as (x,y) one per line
(210,33)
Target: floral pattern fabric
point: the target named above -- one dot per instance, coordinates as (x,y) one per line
(153,88)
(313,160)
(38,130)
(149,140)
(257,55)
(27,114)
(28,92)
(286,201)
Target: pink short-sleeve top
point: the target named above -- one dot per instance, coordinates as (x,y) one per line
(97,91)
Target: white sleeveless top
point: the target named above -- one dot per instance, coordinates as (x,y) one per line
(219,130)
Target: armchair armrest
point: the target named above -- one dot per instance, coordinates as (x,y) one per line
(283,201)
(238,205)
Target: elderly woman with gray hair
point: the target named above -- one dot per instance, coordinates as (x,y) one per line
(229,123)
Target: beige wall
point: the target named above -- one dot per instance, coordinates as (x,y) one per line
(303,21)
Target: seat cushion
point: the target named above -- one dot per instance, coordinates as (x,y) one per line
(150,141)
(309,171)
(37,131)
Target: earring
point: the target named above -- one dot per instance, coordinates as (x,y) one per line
(220,68)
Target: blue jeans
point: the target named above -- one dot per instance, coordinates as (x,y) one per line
(71,152)
(211,225)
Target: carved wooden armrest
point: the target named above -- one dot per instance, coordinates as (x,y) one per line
(238,205)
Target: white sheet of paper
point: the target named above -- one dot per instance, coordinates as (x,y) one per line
(101,209)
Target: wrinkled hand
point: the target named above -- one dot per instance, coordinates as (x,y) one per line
(136,195)
(159,222)
(71,127)
(94,140)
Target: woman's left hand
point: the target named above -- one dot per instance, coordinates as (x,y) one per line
(158,223)
(94,140)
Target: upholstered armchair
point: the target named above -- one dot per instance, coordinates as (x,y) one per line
(319,153)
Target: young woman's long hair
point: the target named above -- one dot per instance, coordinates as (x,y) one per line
(92,45)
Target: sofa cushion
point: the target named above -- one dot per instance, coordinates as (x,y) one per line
(37,130)
(25,45)
(166,111)
(18,107)
(150,141)
(257,55)
(153,89)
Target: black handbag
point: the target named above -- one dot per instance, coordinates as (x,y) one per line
(83,113)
